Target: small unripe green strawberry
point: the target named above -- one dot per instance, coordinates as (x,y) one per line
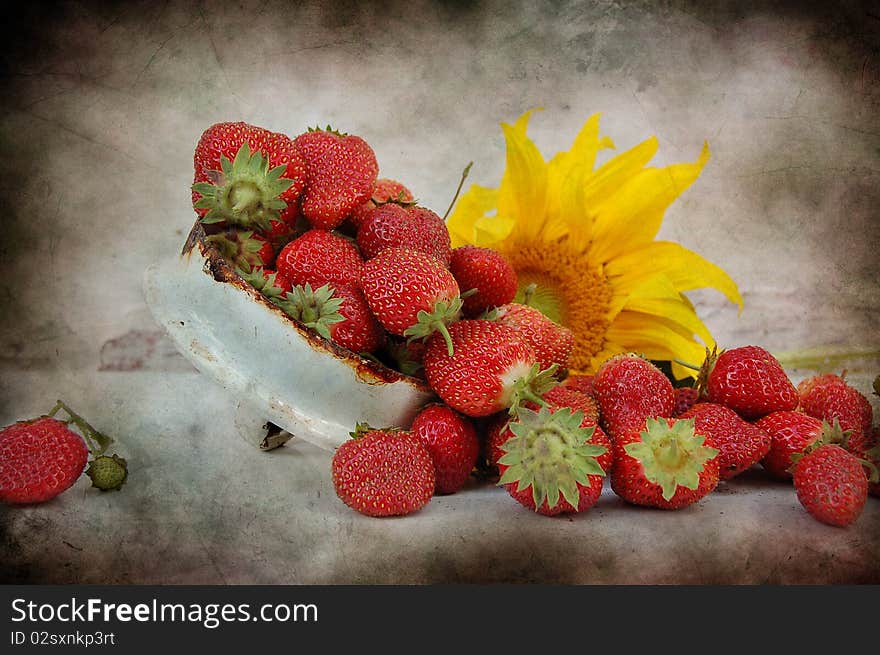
(108,473)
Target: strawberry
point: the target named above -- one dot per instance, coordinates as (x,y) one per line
(341,173)
(581,382)
(407,356)
(683,399)
(748,380)
(668,464)
(272,284)
(411,293)
(872,455)
(318,256)
(415,228)
(243,248)
(336,311)
(740,443)
(828,397)
(489,368)
(43,457)
(791,433)
(488,273)
(246,176)
(497,433)
(554,460)
(383,472)
(551,342)
(630,389)
(562,396)
(384,191)
(452,441)
(830,484)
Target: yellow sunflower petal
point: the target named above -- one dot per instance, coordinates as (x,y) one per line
(471,209)
(522,194)
(631,217)
(685,269)
(614,173)
(653,337)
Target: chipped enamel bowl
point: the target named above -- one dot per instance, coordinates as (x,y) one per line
(278,370)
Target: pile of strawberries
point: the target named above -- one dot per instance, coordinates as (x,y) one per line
(308,222)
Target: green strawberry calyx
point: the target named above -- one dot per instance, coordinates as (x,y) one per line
(443,313)
(238,247)
(531,387)
(833,435)
(243,192)
(671,455)
(263,283)
(551,453)
(317,309)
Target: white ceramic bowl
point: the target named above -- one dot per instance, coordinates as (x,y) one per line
(273,366)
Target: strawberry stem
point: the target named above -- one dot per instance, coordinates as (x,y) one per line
(97,441)
(692,367)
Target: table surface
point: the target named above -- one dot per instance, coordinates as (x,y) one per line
(202,505)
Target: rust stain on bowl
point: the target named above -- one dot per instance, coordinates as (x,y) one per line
(365,370)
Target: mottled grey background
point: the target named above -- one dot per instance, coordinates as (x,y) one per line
(102,104)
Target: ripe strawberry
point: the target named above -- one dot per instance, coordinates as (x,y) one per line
(383,472)
(341,173)
(406,356)
(452,441)
(243,248)
(829,397)
(791,433)
(411,293)
(668,463)
(319,256)
(497,433)
(336,311)
(246,176)
(415,228)
(748,380)
(491,368)
(553,453)
(631,389)
(42,457)
(740,443)
(831,484)
(581,382)
(384,191)
(551,342)
(683,399)
(488,272)
(562,396)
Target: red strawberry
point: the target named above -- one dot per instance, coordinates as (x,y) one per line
(319,256)
(496,434)
(246,175)
(551,342)
(383,473)
(581,382)
(336,311)
(243,248)
(831,484)
(411,293)
(452,441)
(384,191)
(341,174)
(684,398)
(790,434)
(415,228)
(872,454)
(554,461)
(407,356)
(486,271)
(564,396)
(829,397)
(667,464)
(740,443)
(630,389)
(491,368)
(748,380)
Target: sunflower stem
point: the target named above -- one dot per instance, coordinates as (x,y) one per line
(687,365)
(464,174)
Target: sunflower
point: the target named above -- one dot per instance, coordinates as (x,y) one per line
(582,241)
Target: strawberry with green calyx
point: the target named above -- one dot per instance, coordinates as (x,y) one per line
(551,342)
(383,472)
(243,248)
(791,433)
(271,284)
(411,227)
(341,174)
(487,271)
(740,443)
(318,256)
(317,309)
(412,294)
(828,397)
(667,464)
(554,461)
(491,368)
(246,176)
(831,483)
(748,380)
(629,390)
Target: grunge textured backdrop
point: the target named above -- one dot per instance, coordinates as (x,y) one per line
(102,104)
